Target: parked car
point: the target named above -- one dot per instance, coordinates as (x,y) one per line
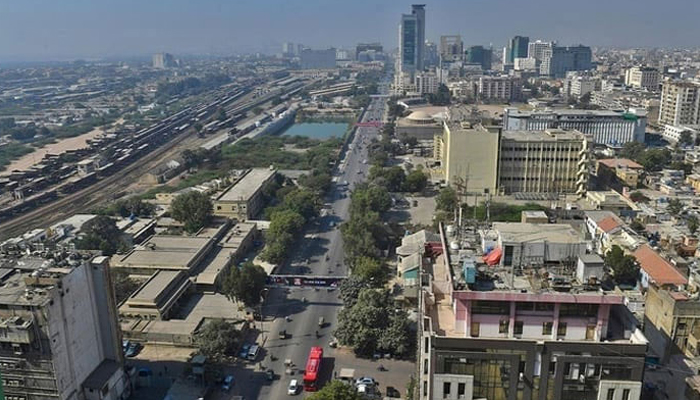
(283,334)
(293,387)
(253,352)
(133,349)
(244,350)
(228,383)
(365,380)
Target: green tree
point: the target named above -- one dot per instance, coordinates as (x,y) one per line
(447,199)
(675,206)
(123,285)
(624,267)
(350,289)
(632,150)
(692,224)
(655,159)
(686,139)
(681,166)
(193,209)
(369,269)
(370,198)
(442,97)
(221,114)
(245,283)
(336,390)
(638,197)
(358,235)
(100,233)
(302,201)
(415,181)
(217,339)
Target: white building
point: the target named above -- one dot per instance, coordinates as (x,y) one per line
(673,133)
(607,127)
(680,103)
(537,49)
(501,88)
(642,78)
(427,83)
(525,64)
(577,85)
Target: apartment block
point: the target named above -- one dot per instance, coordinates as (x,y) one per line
(643,78)
(680,103)
(60,338)
(499,88)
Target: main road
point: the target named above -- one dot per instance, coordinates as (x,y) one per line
(320,252)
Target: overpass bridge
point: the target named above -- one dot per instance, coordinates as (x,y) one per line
(284,281)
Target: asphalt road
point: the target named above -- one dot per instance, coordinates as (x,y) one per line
(305,306)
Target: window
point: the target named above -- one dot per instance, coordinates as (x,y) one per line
(518,328)
(625,394)
(503,326)
(475,329)
(461,389)
(561,329)
(446,388)
(546,328)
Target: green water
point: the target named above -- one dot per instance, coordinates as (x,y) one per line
(317,130)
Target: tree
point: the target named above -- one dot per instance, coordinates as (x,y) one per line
(100,233)
(221,114)
(442,97)
(123,285)
(675,206)
(638,197)
(192,209)
(358,237)
(337,390)
(624,267)
(655,159)
(447,199)
(415,181)
(302,201)
(245,283)
(370,198)
(632,150)
(637,226)
(369,269)
(681,166)
(686,139)
(693,224)
(217,339)
(350,289)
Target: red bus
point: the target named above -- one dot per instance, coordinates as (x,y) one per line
(313,367)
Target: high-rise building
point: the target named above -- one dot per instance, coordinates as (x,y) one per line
(376,47)
(427,83)
(60,335)
(517,48)
(412,41)
(537,48)
(288,49)
(499,88)
(451,48)
(431,55)
(557,61)
(163,60)
(479,55)
(607,127)
(643,78)
(680,103)
(318,59)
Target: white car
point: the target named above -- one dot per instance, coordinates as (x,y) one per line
(293,387)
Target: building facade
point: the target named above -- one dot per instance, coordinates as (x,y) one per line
(451,48)
(557,61)
(318,59)
(500,88)
(412,40)
(549,161)
(426,83)
(163,60)
(60,337)
(537,49)
(642,78)
(680,103)
(367,47)
(611,128)
(244,199)
(577,85)
(479,55)
(517,48)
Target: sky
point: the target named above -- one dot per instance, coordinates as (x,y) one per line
(51,30)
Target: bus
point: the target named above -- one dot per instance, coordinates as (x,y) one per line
(313,367)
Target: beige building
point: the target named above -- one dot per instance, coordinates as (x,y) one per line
(642,78)
(158,297)
(420,125)
(680,103)
(550,161)
(468,155)
(243,200)
(502,88)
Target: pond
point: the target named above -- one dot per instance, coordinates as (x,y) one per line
(317,130)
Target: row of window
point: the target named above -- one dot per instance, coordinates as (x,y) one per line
(518,328)
(503,307)
(531,149)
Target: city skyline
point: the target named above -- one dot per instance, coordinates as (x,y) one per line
(34,31)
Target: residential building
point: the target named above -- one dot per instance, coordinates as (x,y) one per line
(244,200)
(672,319)
(627,171)
(500,88)
(455,149)
(557,61)
(577,85)
(549,161)
(426,83)
(367,47)
(289,49)
(61,339)
(680,103)
(612,128)
(451,48)
(479,55)
(673,133)
(412,40)
(529,331)
(163,60)
(643,78)
(525,64)
(537,49)
(657,271)
(318,59)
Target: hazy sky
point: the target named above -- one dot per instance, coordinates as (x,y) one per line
(64,29)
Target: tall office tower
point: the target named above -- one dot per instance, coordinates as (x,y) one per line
(557,61)
(680,103)
(479,55)
(451,48)
(60,334)
(431,55)
(163,60)
(517,49)
(412,41)
(288,49)
(537,48)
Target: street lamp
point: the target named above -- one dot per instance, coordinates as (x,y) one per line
(262,318)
